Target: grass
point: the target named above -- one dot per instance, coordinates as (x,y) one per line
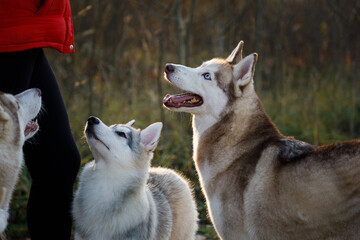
(315,106)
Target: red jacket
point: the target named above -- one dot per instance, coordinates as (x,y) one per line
(26,24)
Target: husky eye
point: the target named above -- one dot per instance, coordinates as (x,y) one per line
(207,76)
(121,134)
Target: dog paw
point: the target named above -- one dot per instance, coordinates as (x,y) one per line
(3,220)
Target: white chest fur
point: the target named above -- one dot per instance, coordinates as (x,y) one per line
(113,208)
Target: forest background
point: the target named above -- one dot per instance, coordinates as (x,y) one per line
(307,75)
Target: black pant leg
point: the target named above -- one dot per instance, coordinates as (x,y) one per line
(53,162)
(16,70)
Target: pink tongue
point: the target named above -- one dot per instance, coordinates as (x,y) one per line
(178,98)
(30,127)
(182,98)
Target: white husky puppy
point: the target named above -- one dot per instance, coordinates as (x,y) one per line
(258,183)
(121,197)
(16,126)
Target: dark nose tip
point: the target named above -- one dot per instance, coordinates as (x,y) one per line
(38,91)
(93,120)
(169,68)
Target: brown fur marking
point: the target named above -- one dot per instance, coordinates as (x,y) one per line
(228,88)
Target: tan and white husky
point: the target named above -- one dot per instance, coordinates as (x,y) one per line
(16,126)
(258,183)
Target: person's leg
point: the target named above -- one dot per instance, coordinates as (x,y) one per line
(16,70)
(53,162)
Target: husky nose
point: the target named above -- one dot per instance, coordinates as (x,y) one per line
(93,120)
(169,68)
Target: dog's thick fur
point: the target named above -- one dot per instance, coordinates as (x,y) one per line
(121,197)
(258,183)
(16,126)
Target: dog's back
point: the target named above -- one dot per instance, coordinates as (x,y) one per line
(174,204)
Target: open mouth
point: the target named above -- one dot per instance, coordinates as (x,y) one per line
(182,100)
(31,127)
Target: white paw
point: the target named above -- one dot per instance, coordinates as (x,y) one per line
(3,220)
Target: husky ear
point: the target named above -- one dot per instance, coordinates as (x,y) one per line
(3,115)
(130,123)
(149,137)
(244,72)
(237,54)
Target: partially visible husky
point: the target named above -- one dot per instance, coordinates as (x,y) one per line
(258,183)
(16,126)
(121,197)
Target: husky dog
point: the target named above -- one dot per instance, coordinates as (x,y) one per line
(121,197)
(16,126)
(258,183)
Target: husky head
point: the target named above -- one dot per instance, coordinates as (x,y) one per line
(211,86)
(17,114)
(122,145)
